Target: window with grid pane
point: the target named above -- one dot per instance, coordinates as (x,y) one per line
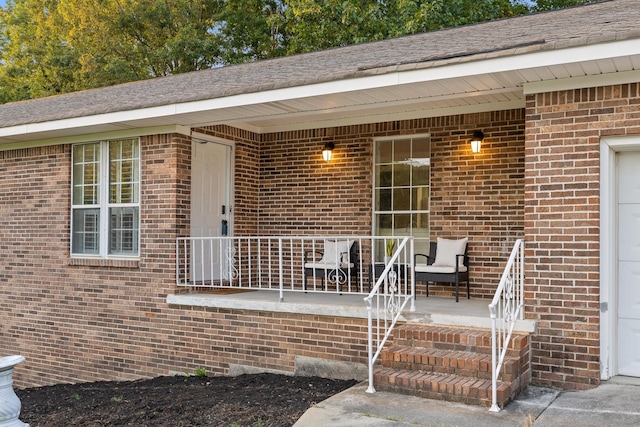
(106,192)
(401,189)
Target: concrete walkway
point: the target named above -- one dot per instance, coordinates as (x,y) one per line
(613,403)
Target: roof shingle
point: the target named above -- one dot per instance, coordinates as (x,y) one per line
(591,24)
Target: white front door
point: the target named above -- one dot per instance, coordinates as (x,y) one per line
(210,209)
(628,178)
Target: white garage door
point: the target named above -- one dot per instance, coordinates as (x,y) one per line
(629,264)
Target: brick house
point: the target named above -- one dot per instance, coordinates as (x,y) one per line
(556,95)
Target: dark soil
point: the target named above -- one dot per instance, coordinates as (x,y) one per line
(256,400)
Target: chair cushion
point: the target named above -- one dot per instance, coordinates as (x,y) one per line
(424,268)
(447,250)
(336,251)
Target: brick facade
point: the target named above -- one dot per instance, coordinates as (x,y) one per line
(85,321)
(562,225)
(480,196)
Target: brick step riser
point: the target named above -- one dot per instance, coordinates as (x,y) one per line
(446,363)
(456,347)
(482,374)
(462,364)
(451,388)
(478,341)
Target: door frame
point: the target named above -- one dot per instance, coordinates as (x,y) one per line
(609,147)
(197,136)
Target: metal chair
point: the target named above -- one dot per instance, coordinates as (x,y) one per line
(452,266)
(336,263)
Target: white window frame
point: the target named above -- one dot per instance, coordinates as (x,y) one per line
(376,212)
(104,204)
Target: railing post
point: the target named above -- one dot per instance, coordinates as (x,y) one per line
(371,388)
(494,362)
(280,272)
(521,284)
(412,278)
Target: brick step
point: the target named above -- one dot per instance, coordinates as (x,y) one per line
(462,363)
(452,338)
(448,387)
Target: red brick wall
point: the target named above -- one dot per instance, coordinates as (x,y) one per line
(480,196)
(562,225)
(84,321)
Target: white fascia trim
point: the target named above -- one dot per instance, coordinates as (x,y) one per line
(538,59)
(75,139)
(87,121)
(582,82)
(447,71)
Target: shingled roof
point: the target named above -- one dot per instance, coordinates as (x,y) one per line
(581,26)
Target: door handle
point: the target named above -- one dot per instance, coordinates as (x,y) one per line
(224,229)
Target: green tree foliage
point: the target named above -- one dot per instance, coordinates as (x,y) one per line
(34,62)
(320,24)
(542,5)
(55,46)
(251,30)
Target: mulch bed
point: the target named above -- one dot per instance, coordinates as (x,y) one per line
(255,400)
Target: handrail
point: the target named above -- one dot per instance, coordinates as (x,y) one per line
(281,263)
(389,300)
(505,309)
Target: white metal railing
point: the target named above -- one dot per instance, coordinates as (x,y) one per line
(393,290)
(334,264)
(505,309)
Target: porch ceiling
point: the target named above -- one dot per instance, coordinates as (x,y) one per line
(484,84)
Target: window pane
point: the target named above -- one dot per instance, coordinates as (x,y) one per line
(401,199)
(383,224)
(123,171)
(401,150)
(401,175)
(420,224)
(383,199)
(384,152)
(86,174)
(421,172)
(421,148)
(384,176)
(420,199)
(401,224)
(123,231)
(86,231)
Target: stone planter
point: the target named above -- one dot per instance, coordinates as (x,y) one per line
(9,402)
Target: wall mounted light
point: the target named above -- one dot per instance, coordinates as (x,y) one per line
(476,141)
(327,151)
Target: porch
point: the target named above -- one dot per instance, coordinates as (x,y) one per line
(271,274)
(471,313)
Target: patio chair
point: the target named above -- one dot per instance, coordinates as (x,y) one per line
(447,262)
(336,262)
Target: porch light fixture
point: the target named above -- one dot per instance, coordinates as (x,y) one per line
(476,141)
(327,150)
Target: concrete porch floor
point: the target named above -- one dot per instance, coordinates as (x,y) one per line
(436,310)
